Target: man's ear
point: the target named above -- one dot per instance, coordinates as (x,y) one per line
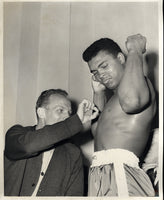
(41,112)
(121,58)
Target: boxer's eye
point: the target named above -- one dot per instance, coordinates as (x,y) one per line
(104,66)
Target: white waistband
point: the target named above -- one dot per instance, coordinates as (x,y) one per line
(109,156)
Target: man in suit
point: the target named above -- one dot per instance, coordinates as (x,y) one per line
(39,160)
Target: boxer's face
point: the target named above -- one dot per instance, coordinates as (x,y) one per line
(107,69)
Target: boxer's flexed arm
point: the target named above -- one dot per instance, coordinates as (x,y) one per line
(99,96)
(133,91)
(99,99)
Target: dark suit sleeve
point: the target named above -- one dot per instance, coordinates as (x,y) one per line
(22,143)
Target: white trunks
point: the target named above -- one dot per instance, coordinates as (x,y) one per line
(118,157)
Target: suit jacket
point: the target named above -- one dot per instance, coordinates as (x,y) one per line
(23,159)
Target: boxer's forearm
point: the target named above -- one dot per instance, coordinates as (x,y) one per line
(133,90)
(100,99)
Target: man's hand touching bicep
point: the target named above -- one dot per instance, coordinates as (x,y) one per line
(87,111)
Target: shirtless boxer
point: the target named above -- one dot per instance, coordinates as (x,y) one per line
(124,124)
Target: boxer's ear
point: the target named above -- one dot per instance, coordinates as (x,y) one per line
(121,58)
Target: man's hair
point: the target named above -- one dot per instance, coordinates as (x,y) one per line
(103,44)
(44,97)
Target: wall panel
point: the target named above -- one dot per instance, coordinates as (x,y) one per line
(28,63)
(53,66)
(11,54)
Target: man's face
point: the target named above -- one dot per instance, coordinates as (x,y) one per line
(58,109)
(106,69)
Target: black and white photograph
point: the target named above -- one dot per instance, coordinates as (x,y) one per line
(81,99)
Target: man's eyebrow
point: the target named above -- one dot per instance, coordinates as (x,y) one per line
(58,106)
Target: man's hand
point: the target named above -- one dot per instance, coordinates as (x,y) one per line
(136,43)
(87,111)
(96,85)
